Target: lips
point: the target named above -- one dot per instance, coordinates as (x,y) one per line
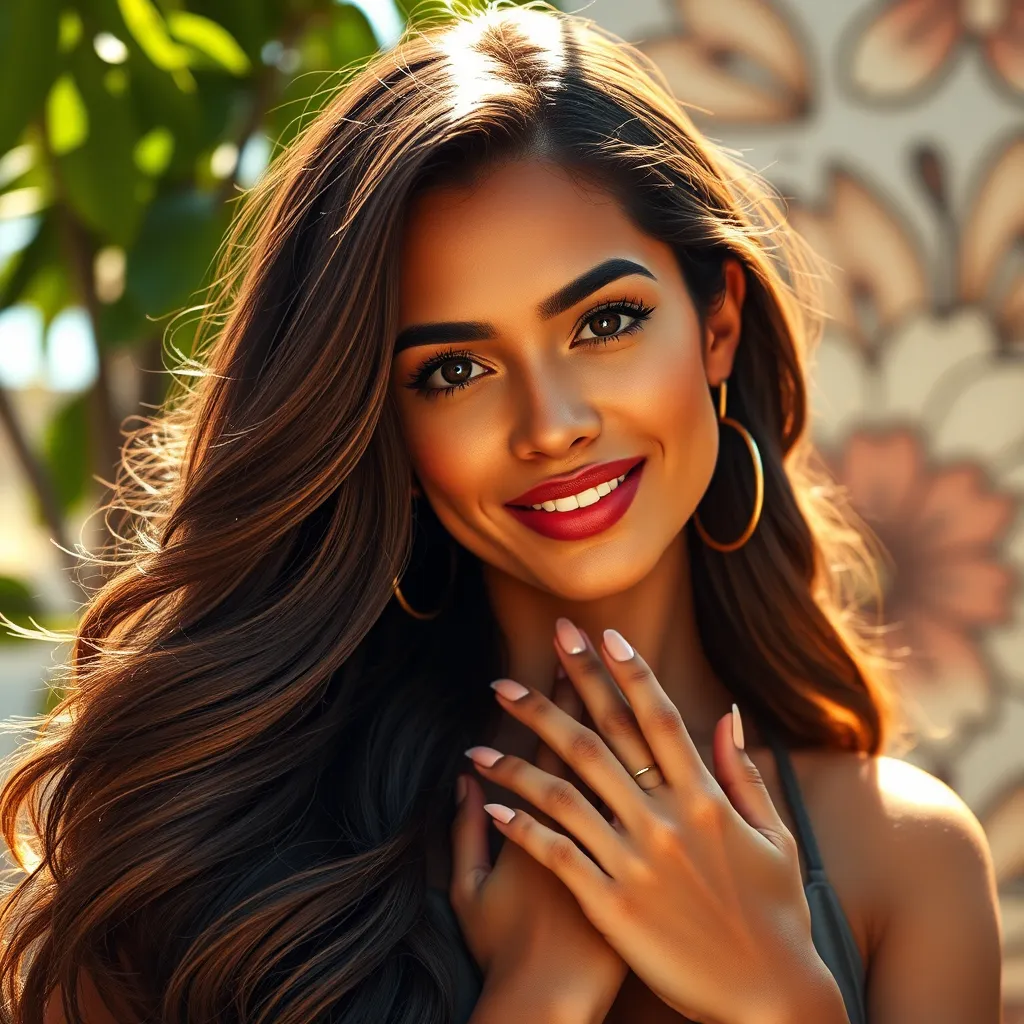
(562,487)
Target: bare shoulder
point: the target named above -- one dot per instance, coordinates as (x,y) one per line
(936,950)
(900,804)
(895,834)
(900,810)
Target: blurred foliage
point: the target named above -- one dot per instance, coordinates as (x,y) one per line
(126,128)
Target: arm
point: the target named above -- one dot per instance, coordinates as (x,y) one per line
(539,997)
(499,1006)
(939,956)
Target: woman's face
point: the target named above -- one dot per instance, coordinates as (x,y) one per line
(542,383)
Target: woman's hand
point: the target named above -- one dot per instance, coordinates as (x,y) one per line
(696,882)
(524,928)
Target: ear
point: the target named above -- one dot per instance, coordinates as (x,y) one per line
(724,324)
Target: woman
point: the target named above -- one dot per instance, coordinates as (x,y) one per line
(508,379)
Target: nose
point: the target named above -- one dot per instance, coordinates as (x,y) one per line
(552,416)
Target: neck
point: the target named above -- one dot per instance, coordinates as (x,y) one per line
(655,615)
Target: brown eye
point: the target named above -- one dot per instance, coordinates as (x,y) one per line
(455,371)
(613,320)
(606,324)
(445,373)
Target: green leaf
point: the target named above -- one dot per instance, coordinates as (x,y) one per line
(176,244)
(16,602)
(70,31)
(252,23)
(50,290)
(100,177)
(16,162)
(153,151)
(66,451)
(28,62)
(67,120)
(211,40)
(121,323)
(150,32)
(331,55)
(352,36)
(43,250)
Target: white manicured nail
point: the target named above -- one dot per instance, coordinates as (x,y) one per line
(737,727)
(616,645)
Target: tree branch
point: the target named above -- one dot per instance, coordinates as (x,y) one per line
(37,476)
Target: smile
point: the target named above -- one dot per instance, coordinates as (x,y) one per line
(582,515)
(591,496)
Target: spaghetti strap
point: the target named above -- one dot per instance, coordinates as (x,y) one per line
(791,787)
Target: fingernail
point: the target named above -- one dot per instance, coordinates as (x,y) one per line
(569,637)
(737,727)
(460,789)
(509,688)
(487,756)
(500,811)
(617,646)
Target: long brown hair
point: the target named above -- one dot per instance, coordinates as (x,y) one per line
(228,815)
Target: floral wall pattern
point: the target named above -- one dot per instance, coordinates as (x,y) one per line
(895,130)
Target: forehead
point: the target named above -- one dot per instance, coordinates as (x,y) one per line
(515,235)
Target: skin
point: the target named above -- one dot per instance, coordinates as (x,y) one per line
(549,408)
(908,860)
(541,403)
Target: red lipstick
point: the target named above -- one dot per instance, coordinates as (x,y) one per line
(573,483)
(580,523)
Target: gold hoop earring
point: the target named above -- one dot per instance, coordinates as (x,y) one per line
(755,457)
(427,616)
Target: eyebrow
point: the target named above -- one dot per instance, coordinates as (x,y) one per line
(565,298)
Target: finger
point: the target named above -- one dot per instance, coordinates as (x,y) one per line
(557,799)
(742,783)
(581,748)
(613,717)
(471,857)
(559,854)
(564,696)
(663,727)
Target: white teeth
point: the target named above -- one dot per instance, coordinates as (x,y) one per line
(583,499)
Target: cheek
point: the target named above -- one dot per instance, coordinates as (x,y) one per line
(452,449)
(671,390)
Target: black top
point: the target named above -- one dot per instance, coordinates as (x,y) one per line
(830,929)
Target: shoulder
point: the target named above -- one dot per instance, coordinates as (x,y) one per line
(891,833)
(937,951)
(906,809)
(916,825)
(917,864)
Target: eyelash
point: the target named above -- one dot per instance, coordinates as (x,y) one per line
(632,307)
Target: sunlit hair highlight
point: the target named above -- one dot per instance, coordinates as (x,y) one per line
(230,812)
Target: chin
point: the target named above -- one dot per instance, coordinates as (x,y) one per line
(595,575)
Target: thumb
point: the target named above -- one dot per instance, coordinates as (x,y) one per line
(471,856)
(741,779)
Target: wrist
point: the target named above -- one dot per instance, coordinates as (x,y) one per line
(817,998)
(540,998)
